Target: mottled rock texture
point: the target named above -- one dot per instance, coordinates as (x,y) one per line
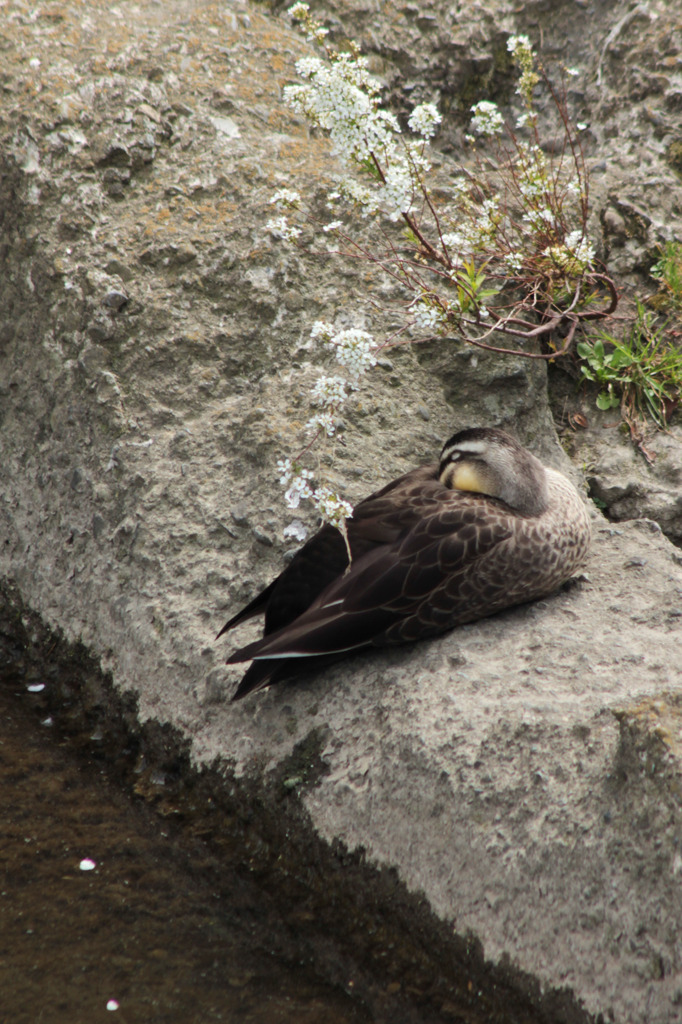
(522,772)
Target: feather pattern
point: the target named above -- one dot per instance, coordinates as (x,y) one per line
(426,556)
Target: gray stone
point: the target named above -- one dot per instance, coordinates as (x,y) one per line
(522,772)
(625,482)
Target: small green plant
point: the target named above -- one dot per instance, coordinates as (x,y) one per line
(601,367)
(668,270)
(641,373)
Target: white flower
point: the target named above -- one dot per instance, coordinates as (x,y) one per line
(427,317)
(334,225)
(332,508)
(298,11)
(531,188)
(515,43)
(296,530)
(301,12)
(416,159)
(573,72)
(397,194)
(329,391)
(581,126)
(287,198)
(574,255)
(291,472)
(281,228)
(514,260)
(360,194)
(539,220)
(308,67)
(424,120)
(322,421)
(456,240)
(487,119)
(341,98)
(354,350)
(522,51)
(293,497)
(323,330)
(580,247)
(286,471)
(299,487)
(477,229)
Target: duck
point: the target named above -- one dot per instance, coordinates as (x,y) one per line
(484,528)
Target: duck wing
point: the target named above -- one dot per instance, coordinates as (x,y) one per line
(255,607)
(378,519)
(400,591)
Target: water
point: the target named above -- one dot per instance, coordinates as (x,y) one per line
(154,926)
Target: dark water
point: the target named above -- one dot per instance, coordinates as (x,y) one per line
(147,927)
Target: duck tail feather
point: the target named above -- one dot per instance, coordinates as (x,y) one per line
(257,677)
(255,607)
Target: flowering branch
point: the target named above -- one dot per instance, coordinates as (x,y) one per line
(509,254)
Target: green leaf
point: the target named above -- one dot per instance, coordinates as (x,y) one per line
(620,358)
(606,400)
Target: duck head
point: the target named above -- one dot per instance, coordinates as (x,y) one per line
(490,461)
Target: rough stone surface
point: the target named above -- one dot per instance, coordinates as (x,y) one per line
(629,486)
(523,772)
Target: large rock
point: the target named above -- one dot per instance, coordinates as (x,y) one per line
(522,772)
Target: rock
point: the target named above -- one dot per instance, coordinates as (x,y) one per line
(522,772)
(625,484)
(115,299)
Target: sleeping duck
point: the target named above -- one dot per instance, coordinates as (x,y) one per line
(486,527)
